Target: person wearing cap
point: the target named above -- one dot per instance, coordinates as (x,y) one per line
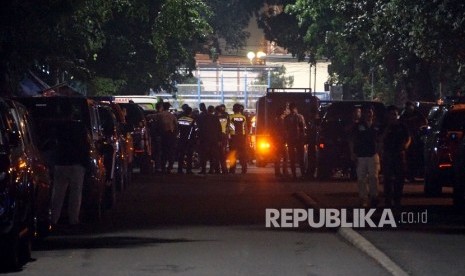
(364,147)
(238,143)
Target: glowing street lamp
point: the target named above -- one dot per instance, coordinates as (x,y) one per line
(251,56)
(256,58)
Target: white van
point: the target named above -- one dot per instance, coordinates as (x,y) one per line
(146,102)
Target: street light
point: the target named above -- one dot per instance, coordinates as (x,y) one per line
(256,58)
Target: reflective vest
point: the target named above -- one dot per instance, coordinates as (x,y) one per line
(238,124)
(224,121)
(186,126)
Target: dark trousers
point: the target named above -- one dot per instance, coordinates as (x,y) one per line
(238,147)
(185,152)
(168,148)
(394,165)
(281,160)
(296,155)
(156,151)
(208,152)
(222,156)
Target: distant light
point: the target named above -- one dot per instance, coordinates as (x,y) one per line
(250,55)
(261,54)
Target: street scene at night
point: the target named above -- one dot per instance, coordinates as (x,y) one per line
(250,137)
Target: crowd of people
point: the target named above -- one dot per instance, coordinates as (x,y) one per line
(390,149)
(218,136)
(214,134)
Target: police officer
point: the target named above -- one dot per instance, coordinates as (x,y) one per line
(295,139)
(238,143)
(209,138)
(223,116)
(187,134)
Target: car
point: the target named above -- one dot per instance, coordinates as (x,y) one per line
(25,187)
(136,121)
(116,159)
(441,147)
(48,115)
(333,139)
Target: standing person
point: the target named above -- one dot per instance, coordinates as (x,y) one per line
(223,116)
(238,143)
(364,149)
(278,134)
(295,139)
(71,162)
(201,145)
(414,120)
(209,138)
(352,164)
(187,134)
(168,133)
(155,134)
(396,140)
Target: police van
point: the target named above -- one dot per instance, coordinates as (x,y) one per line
(266,109)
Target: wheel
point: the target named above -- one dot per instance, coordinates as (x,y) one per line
(432,187)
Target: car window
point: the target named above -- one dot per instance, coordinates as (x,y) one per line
(454,121)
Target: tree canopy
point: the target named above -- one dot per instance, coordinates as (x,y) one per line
(118,46)
(404,49)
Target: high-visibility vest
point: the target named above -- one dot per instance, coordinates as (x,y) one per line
(238,124)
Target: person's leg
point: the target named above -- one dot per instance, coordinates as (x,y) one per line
(373,178)
(388,174)
(399,180)
(292,158)
(361,179)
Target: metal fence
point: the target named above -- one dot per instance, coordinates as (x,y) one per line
(226,86)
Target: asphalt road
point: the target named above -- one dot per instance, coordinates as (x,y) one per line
(215,225)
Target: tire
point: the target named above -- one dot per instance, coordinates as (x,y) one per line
(433,187)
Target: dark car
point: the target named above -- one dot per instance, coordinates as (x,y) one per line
(441,146)
(114,145)
(51,114)
(333,141)
(25,187)
(136,121)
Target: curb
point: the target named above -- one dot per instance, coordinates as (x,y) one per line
(359,242)
(368,248)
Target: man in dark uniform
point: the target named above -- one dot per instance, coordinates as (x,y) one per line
(396,140)
(209,138)
(186,141)
(223,116)
(295,139)
(279,137)
(238,144)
